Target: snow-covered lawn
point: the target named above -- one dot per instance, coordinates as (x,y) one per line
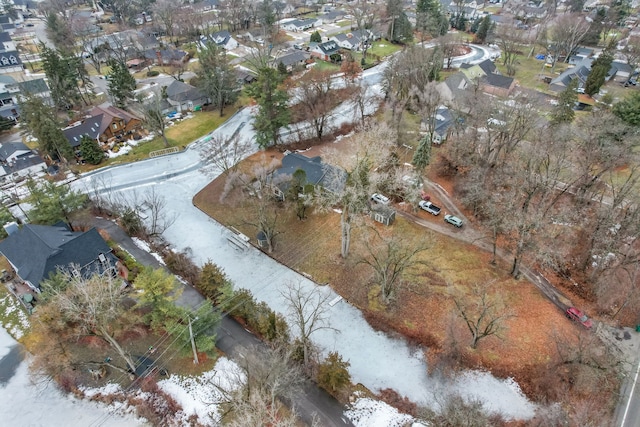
(145,247)
(367,412)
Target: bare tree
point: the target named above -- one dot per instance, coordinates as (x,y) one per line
(151,113)
(391,257)
(158,219)
(631,52)
(316,99)
(166,12)
(483,314)
(567,32)
(308,310)
(267,378)
(223,154)
(93,304)
(352,181)
(510,40)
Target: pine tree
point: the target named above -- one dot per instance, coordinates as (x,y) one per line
(120,82)
(599,70)
(333,373)
(214,283)
(41,121)
(628,110)
(217,77)
(91,151)
(52,202)
(273,111)
(422,156)
(483,29)
(315,37)
(563,112)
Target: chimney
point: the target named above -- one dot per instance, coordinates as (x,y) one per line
(11,227)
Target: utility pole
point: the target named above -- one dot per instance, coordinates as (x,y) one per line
(193,343)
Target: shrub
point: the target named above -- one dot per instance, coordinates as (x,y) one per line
(333,373)
(180,264)
(153,73)
(402,404)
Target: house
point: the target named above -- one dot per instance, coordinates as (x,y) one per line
(325,50)
(19,160)
(35,87)
(206,6)
(453,87)
(318,174)
(368,35)
(443,122)
(130,41)
(166,56)
(293,59)
(332,16)
(347,41)
(105,124)
(10,62)
(580,72)
(299,25)
(37,251)
(184,97)
(115,123)
(579,54)
(621,71)
(244,75)
(498,85)
(6,42)
(222,39)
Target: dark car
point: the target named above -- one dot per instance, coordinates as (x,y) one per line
(577,315)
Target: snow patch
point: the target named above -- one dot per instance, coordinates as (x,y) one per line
(145,247)
(367,412)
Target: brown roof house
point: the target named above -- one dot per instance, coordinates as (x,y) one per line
(105,123)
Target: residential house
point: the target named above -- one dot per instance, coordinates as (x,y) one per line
(621,71)
(166,56)
(491,81)
(318,174)
(10,62)
(222,39)
(184,97)
(299,25)
(332,16)
(37,251)
(11,93)
(35,87)
(6,42)
(20,161)
(453,88)
(580,54)
(368,35)
(580,72)
(325,50)
(206,6)
(284,8)
(347,41)
(105,124)
(293,59)
(131,42)
(244,75)
(442,123)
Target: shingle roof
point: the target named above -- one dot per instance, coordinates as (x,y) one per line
(10,58)
(329,47)
(89,127)
(5,37)
(292,58)
(108,113)
(33,87)
(9,148)
(317,173)
(498,80)
(180,91)
(38,250)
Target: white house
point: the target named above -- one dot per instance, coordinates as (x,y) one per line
(223,39)
(299,25)
(347,41)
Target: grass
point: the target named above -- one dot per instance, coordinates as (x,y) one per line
(13,316)
(326,66)
(528,71)
(384,48)
(343,23)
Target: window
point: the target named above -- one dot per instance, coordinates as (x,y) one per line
(5,61)
(115,126)
(13,59)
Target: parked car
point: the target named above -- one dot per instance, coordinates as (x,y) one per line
(429,207)
(577,315)
(453,220)
(380,198)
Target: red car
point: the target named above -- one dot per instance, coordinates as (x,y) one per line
(575,314)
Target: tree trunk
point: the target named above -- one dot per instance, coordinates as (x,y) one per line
(105,334)
(345,223)
(165,140)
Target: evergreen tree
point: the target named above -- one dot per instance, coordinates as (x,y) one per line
(628,110)
(67,76)
(563,112)
(430,18)
(5,217)
(53,203)
(315,37)
(422,156)
(599,70)
(214,284)
(217,77)
(41,122)
(333,373)
(483,29)
(282,69)
(91,151)
(120,82)
(272,100)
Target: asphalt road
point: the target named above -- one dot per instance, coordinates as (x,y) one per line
(232,339)
(628,412)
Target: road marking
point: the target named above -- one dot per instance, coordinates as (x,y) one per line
(624,417)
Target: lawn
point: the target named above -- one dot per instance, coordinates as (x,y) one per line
(423,309)
(326,66)
(529,70)
(384,48)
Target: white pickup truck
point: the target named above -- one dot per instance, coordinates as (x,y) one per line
(429,207)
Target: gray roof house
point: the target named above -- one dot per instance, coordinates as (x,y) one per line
(580,71)
(222,39)
(298,25)
(89,127)
(17,158)
(36,251)
(443,121)
(328,177)
(347,41)
(293,59)
(325,50)
(621,71)
(10,62)
(185,97)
